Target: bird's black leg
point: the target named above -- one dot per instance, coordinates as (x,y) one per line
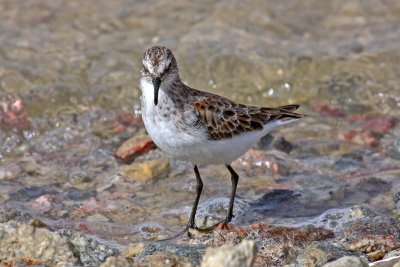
(199,188)
(235,180)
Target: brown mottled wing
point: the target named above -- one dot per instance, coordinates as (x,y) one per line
(224,119)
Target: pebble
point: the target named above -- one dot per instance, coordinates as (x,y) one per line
(134,147)
(147,170)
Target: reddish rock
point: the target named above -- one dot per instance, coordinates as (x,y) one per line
(257,162)
(84,228)
(44,203)
(361,137)
(134,147)
(376,123)
(12,115)
(327,110)
(127,120)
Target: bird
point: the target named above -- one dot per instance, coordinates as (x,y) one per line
(201,127)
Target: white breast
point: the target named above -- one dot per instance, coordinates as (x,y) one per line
(179,143)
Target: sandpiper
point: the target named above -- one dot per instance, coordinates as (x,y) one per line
(200,127)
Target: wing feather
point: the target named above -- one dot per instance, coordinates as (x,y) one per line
(224,119)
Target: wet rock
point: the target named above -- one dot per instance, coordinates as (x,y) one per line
(371,185)
(8,214)
(348,261)
(257,162)
(319,253)
(28,193)
(127,120)
(213,210)
(24,242)
(265,141)
(327,110)
(78,195)
(119,261)
(283,145)
(90,251)
(134,147)
(347,164)
(285,202)
(335,219)
(42,204)
(240,255)
(375,237)
(174,252)
(146,171)
(376,123)
(361,137)
(10,171)
(394,150)
(12,114)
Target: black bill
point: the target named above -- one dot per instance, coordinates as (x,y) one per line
(156,85)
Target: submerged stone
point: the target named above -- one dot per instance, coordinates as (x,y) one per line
(147,170)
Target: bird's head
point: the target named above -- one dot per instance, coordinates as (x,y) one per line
(159,67)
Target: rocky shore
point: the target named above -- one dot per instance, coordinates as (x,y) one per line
(365,239)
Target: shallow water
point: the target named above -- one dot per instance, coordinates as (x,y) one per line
(69,74)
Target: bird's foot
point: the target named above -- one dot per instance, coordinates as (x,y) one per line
(224,225)
(194,230)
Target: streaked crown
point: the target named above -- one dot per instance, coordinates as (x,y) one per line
(158,61)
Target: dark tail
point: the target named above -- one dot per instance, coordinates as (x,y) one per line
(287,112)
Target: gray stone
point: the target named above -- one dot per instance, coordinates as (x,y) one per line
(90,251)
